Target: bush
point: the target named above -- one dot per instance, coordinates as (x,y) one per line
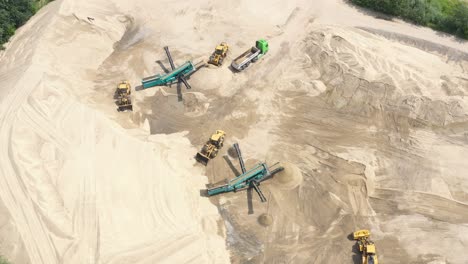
(4,260)
(450,16)
(14,13)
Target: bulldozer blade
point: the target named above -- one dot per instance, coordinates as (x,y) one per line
(125,107)
(202,158)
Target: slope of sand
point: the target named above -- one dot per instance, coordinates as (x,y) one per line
(77,188)
(369,116)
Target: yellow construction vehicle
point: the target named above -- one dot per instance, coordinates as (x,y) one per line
(211,147)
(366,246)
(123,92)
(123,88)
(219,54)
(124,103)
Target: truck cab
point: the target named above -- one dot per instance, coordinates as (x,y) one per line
(262,45)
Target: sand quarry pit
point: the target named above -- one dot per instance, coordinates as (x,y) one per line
(368,116)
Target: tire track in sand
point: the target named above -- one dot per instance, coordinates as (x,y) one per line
(12,192)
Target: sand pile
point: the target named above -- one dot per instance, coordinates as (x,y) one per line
(77,188)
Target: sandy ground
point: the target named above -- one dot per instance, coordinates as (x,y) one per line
(367,115)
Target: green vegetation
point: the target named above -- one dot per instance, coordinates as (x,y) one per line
(13,14)
(450,16)
(4,260)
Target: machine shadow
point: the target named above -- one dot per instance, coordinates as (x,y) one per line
(249,202)
(166,70)
(233,168)
(356,254)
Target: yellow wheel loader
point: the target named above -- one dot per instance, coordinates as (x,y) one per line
(123,88)
(123,92)
(366,247)
(211,147)
(219,54)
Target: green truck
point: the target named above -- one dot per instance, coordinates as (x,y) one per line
(251,55)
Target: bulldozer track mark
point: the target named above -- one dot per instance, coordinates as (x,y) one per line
(14,196)
(427,204)
(45,128)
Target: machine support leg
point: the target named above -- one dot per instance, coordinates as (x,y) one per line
(257,189)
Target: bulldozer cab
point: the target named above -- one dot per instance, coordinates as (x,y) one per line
(217,136)
(123,87)
(219,50)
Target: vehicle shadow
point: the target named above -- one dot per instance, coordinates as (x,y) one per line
(356,254)
(233,70)
(166,70)
(355,250)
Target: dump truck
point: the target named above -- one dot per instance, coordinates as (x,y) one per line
(219,54)
(366,247)
(251,55)
(211,147)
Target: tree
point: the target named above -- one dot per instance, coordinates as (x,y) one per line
(450,16)
(4,260)
(14,13)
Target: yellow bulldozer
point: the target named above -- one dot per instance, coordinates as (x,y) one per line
(123,92)
(219,54)
(366,247)
(211,147)
(123,88)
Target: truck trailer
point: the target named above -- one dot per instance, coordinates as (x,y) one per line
(251,55)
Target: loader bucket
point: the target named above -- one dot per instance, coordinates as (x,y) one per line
(202,158)
(125,107)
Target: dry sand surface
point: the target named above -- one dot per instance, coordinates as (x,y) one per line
(368,116)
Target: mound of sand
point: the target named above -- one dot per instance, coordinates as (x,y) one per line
(289,178)
(265,220)
(78,188)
